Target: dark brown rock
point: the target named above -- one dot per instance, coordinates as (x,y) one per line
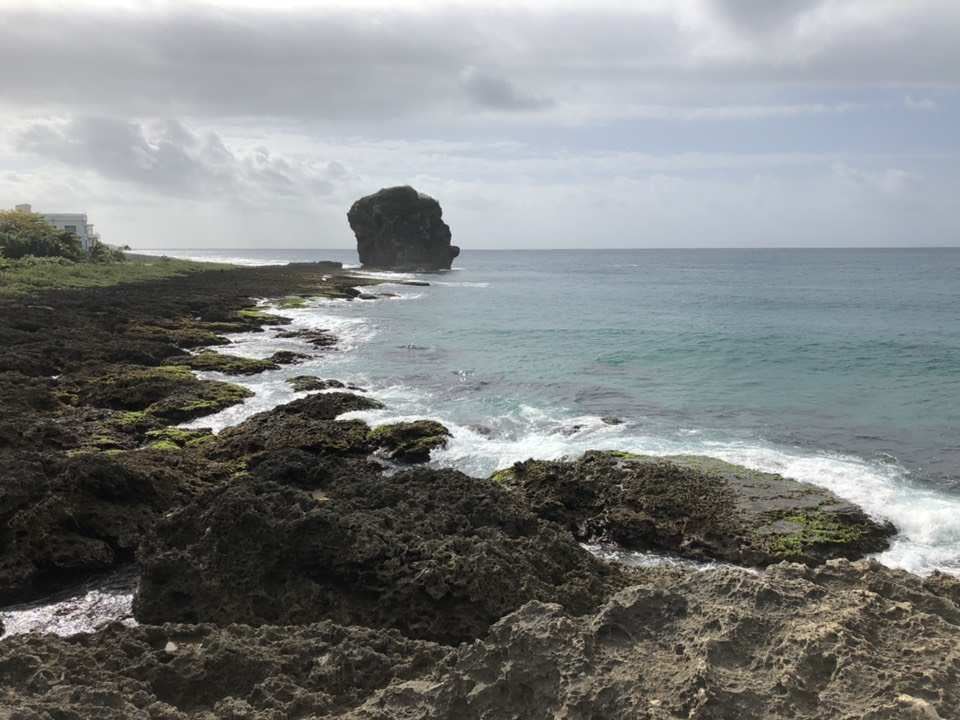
(410,442)
(67,518)
(697,507)
(399,228)
(435,554)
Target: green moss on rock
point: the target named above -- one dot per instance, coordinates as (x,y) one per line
(292,302)
(410,441)
(209,360)
(807,530)
(205,398)
(260,317)
(164,445)
(503,477)
(180,437)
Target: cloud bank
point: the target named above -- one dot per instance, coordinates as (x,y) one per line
(698,122)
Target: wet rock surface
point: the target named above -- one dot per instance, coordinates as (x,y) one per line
(399,228)
(317,338)
(697,507)
(410,442)
(307,383)
(306,424)
(226,364)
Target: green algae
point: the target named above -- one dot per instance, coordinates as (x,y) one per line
(179,436)
(624,455)
(164,445)
(262,317)
(410,441)
(130,418)
(504,476)
(813,528)
(291,302)
(226,364)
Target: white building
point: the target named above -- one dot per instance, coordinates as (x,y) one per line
(72,222)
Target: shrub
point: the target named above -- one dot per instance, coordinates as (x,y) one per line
(28,234)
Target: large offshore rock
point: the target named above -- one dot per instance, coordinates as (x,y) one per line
(399,228)
(698,507)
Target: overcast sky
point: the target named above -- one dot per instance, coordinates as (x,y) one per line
(680,123)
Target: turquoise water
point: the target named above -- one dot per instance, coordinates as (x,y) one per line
(840,367)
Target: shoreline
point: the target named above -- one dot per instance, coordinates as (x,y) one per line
(78,432)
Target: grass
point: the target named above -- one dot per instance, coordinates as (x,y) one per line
(29,275)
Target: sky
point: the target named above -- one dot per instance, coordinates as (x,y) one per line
(681,123)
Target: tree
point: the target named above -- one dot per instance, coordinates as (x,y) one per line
(24,233)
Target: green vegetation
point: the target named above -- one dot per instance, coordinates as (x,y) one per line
(105,442)
(33,274)
(199,397)
(164,445)
(291,302)
(228,364)
(410,441)
(130,418)
(813,528)
(262,317)
(624,455)
(179,437)
(26,234)
(503,477)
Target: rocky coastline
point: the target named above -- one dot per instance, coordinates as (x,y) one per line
(302,565)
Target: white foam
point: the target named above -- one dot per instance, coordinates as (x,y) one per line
(213,257)
(614,553)
(928,521)
(82,610)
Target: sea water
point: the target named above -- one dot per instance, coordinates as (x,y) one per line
(837,367)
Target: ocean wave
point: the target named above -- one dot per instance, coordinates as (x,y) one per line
(213,257)
(928,521)
(464,284)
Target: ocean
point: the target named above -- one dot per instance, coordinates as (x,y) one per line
(837,367)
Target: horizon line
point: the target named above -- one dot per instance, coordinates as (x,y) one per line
(570,249)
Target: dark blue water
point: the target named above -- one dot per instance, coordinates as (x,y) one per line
(841,367)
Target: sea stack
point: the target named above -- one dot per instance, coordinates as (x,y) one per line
(399,228)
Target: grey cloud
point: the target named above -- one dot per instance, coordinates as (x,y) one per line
(493,91)
(168,157)
(763,15)
(368,66)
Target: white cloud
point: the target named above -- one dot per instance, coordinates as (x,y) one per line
(920,103)
(167,157)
